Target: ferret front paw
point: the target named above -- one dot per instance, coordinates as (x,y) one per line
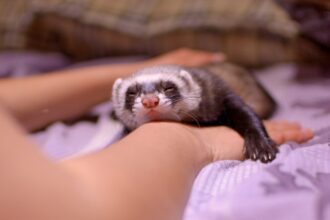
(260,148)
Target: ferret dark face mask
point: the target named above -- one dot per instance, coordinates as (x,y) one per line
(165,93)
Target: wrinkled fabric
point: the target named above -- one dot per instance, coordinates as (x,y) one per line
(294,186)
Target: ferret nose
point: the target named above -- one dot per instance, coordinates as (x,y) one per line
(150,101)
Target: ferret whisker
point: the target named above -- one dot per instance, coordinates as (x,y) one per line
(184,98)
(176,115)
(193,117)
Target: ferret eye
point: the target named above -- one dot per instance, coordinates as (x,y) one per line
(169,89)
(131,93)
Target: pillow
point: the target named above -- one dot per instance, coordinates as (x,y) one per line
(319,3)
(313,17)
(251,32)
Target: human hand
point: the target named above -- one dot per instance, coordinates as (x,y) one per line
(188,57)
(284,131)
(224,143)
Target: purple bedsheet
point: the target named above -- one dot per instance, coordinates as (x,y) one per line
(294,186)
(17,64)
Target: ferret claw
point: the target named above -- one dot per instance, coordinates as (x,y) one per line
(263,150)
(270,156)
(265,158)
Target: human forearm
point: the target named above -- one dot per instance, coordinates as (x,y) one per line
(137,178)
(147,175)
(38,101)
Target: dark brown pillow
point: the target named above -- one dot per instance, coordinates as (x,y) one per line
(251,32)
(313,17)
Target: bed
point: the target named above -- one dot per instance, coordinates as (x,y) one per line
(294,186)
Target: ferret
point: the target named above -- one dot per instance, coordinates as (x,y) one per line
(189,95)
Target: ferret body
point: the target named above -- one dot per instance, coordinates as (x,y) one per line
(189,95)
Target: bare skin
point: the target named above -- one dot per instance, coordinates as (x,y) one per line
(135,178)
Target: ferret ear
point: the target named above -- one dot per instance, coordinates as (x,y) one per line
(185,74)
(117,84)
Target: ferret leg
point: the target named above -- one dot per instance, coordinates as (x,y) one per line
(240,117)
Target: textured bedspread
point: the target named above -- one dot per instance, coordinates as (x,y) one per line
(294,186)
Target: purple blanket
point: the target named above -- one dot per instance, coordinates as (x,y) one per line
(294,186)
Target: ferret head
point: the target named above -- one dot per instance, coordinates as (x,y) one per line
(160,93)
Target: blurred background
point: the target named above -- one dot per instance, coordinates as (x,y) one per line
(252,33)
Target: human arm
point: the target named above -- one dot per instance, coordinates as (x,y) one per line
(39,100)
(147,175)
